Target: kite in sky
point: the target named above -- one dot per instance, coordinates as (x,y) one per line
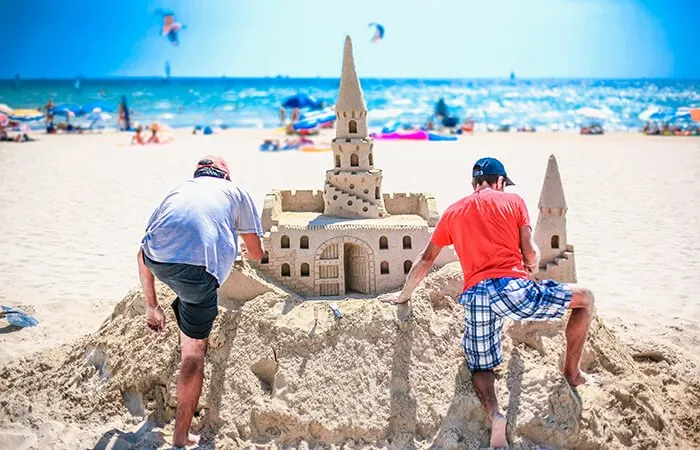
(171,28)
(378,32)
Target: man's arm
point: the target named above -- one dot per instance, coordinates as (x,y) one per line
(531,254)
(253,244)
(148,282)
(155,318)
(418,272)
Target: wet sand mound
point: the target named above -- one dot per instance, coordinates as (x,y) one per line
(288,373)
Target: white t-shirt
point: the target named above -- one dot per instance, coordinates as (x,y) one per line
(197,224)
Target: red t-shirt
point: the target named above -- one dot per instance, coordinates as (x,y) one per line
(484,228)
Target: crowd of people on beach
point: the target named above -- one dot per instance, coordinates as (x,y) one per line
(665,129)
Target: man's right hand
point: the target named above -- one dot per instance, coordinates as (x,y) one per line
(155,318)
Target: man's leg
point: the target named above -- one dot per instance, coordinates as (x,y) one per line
(485,386)
(582,302)
(189,387)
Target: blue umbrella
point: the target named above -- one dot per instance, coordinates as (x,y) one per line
(63,110)
(302,101)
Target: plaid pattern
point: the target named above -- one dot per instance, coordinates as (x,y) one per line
(489,302)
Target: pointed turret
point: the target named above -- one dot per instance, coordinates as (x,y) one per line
(552,195)
(350,97)
(353,187)
(557,256)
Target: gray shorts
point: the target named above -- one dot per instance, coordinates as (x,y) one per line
(195,305)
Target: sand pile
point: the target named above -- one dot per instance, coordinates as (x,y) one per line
(285,373)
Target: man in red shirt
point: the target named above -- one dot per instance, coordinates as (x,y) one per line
(491,233)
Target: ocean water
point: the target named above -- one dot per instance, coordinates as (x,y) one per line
(253,103)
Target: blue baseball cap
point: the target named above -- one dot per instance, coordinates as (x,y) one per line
(491,166)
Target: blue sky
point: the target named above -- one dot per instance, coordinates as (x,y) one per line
(303,38)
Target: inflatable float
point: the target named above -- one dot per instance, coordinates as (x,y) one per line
(417,135)
(441,137)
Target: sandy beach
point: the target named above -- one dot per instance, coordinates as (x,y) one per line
(74,208)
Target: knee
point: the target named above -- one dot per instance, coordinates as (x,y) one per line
(583,298)
(191,365)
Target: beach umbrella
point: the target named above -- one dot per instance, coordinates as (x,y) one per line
(97,115)
(26,115)
(301,101)
(103,105)
(4,120)
(67,110)
(5,109)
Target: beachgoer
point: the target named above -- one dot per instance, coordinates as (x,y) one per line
(429,125)
(295,115)
(283,115)
(491,233)
(48,118)
(190,244)
(121,121)
(137,138)
(154,137)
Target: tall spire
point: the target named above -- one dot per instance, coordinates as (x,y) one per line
(350,97)
(552,195)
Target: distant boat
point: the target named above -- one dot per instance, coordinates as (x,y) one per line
(512,75)
(76,85)
(167,69)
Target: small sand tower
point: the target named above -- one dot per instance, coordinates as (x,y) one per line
(353,187)
(557,256)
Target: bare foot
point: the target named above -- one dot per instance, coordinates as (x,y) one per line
(498,432)
(581,378)
(192,439)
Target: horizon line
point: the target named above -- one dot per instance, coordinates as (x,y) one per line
(305,78)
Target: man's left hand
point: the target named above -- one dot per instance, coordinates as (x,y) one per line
(396,298)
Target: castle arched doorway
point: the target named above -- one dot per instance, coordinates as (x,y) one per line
(356,266)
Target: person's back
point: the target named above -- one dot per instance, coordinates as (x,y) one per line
(484,228)
(196,224)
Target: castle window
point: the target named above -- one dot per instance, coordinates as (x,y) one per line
(555,241)
(365,209)
(337,160)
(407,266)
(266,258)
(354,160)
(349,202)
(383,243)
(376,192)
(284,242)
(304,242)
(384,268)
(304,270)
(371,159)
(352,126)
(407,242)
(352,186)
(286,272)
(366,191)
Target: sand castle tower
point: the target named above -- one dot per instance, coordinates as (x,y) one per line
(353,189)
(352,238)
(557,256)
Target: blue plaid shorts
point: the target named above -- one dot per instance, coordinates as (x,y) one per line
(489,302)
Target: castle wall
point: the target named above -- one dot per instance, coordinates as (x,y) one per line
(395,256)
(419,204)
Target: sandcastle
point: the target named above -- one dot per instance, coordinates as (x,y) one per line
(352,237)
(557,256)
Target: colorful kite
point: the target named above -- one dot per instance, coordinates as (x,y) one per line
(378,32)
(171,28)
